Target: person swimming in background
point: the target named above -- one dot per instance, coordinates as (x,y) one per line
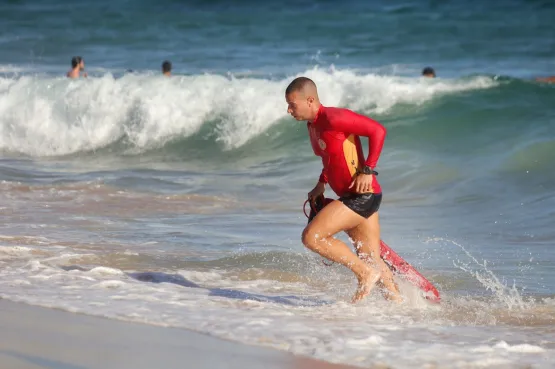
(546,79)
(167,68)
(77,66)
(429,72)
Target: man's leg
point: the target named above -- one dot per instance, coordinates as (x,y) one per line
(366,238)
(318,237)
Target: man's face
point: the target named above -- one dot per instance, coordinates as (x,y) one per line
(82,65)
(298,105)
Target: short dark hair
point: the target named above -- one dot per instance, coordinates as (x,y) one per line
(166,66)
(428,70)
(76,60)
(298,84)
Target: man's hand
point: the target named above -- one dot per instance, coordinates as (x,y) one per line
(362,183)
(317,191)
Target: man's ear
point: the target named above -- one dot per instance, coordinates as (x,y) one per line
(310,100)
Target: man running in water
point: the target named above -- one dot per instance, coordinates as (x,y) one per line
(334,135)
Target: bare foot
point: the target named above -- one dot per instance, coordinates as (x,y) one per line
(390,290)
(389,296)
(366,283)
(386,284)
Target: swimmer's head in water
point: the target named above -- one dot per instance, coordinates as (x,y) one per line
(302,99)
(166,67)
(428,72)
(77,61)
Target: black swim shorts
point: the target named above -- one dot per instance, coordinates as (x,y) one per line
(364,204)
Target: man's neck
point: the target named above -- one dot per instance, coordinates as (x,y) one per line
(316,111)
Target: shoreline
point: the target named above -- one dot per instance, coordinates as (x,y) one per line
(36,338)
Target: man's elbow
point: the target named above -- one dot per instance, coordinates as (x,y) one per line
(382,131)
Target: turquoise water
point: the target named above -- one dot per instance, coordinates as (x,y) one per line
(198,180)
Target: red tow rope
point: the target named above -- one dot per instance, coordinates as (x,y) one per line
(304,208)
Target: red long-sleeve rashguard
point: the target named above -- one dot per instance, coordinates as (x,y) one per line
(335,137)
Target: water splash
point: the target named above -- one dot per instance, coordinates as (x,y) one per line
(508,295)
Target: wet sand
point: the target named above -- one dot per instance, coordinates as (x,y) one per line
(38,338)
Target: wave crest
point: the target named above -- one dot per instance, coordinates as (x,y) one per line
(44,116)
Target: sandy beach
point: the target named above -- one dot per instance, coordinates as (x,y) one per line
(38,338)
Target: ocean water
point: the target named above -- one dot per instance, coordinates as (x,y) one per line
(178,201)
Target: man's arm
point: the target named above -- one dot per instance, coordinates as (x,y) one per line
(360,125)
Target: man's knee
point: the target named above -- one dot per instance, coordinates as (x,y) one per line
(310,238)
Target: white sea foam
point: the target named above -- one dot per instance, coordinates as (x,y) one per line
(44,116)
(309,319)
